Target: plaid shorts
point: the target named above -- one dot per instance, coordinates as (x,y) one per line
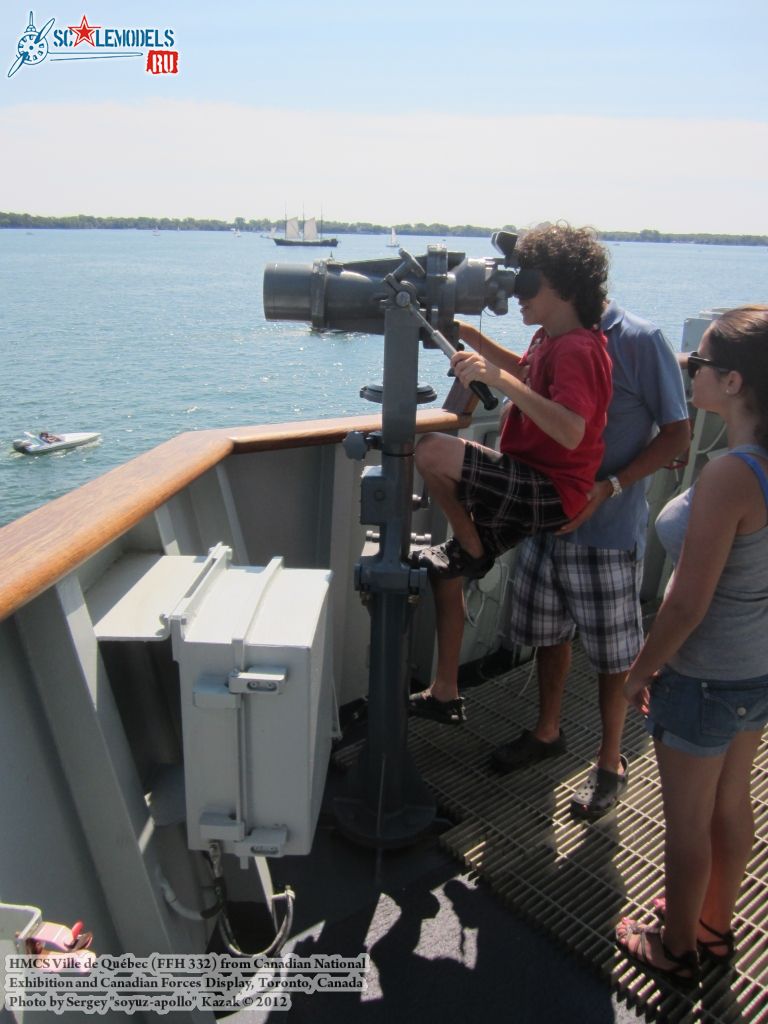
(558,586)
(506,499)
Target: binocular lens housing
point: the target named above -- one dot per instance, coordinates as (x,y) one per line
(354,296)
(287,291)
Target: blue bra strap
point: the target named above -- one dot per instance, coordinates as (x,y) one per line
(756,468)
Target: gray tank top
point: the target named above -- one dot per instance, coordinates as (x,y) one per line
(731,641)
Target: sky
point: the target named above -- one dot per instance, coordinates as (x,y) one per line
(620,115)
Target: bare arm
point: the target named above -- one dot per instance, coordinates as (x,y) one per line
(671,440)
(561,424)
(489,349)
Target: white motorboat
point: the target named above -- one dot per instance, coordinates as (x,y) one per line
(44,442)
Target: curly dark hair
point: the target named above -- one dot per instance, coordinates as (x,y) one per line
(739,339)
(573,262)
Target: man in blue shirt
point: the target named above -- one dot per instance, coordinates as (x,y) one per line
(588,574)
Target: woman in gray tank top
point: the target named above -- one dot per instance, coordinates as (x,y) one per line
(701,678)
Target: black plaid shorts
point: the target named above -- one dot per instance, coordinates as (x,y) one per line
(506,499)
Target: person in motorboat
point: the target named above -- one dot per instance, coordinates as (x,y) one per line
(49,438)
(588,574)
(551,441)
(700,678)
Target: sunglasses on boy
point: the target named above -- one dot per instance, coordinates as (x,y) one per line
(695,363)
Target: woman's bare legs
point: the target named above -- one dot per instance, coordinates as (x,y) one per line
(710,832)
(689,789)
(731,836)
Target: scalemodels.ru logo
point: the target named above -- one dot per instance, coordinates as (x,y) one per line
(153,45)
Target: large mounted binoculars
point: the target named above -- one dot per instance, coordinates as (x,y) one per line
(407,299)
(354,296)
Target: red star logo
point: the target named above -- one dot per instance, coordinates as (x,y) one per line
(84,32)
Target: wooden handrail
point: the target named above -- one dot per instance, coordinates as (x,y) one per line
(39,549)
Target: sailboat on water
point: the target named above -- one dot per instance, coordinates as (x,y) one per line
(304,233)
(394,242)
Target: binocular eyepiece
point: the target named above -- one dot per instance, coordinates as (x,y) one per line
(354,296)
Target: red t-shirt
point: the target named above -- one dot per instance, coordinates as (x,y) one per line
(573,369)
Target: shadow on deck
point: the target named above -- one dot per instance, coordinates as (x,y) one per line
(574,880)
(524,932)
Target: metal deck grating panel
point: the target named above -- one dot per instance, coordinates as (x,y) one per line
(572,879)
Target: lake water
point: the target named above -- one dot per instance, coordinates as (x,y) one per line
(142,336)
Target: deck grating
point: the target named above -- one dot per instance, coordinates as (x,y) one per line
(575,880)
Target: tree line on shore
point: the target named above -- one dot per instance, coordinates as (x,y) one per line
(84,221)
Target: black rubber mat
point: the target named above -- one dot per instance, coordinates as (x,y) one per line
(572,879)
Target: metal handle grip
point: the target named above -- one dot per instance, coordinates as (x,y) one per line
(484,393)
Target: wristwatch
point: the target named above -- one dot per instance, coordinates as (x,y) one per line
(614,482)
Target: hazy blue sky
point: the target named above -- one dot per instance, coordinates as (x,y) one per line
(621,115)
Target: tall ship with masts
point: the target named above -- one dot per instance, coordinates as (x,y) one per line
(303,232)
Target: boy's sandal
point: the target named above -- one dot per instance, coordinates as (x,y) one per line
(449,561)
(725,940)
(706,947)
(447,712)
(685,966)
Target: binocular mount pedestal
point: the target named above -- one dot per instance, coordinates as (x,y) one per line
(386,803)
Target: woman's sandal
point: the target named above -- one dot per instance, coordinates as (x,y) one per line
(706,947)
(685,966)
(722,939)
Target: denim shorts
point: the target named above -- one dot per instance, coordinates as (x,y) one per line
(702,716)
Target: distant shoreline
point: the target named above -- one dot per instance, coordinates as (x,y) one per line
(85,221)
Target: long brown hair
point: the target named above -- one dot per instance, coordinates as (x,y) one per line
(739,340)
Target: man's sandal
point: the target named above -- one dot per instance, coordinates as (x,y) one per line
(600,792)
(684,971)
(707,947)
(526,750)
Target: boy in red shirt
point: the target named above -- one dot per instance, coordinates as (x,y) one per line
(551,440)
